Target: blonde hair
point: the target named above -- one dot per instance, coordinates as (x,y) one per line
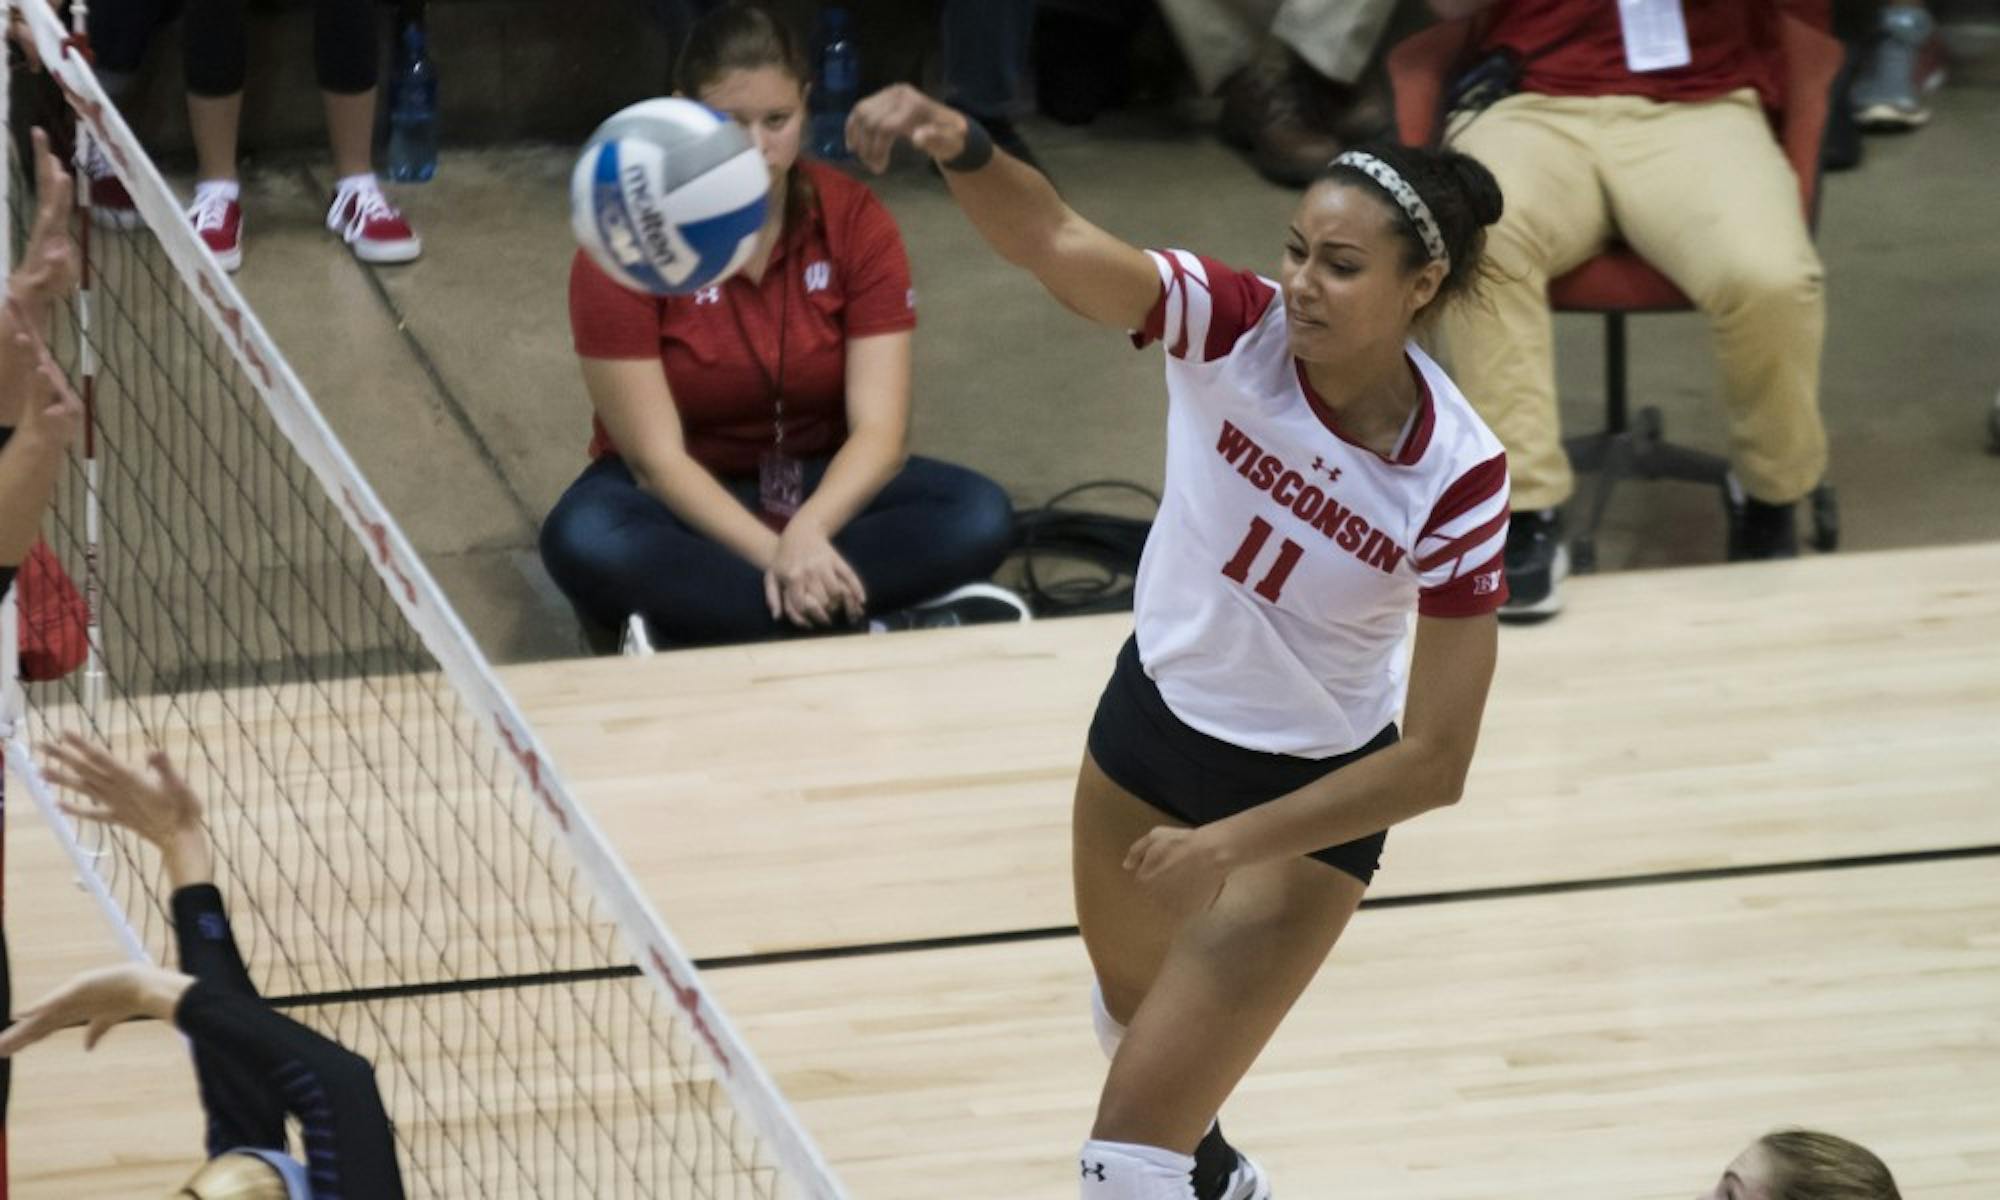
(1820,1166)
(234,1177)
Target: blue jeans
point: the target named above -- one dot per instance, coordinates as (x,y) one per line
(616,550)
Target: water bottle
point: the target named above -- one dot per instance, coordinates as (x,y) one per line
(839,85)
(413,96)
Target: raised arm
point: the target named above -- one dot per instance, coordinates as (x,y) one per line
(1013,206)
(35,398)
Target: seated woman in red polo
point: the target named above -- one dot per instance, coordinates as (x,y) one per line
(759,482)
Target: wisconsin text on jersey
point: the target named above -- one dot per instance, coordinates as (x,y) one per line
(1288,489)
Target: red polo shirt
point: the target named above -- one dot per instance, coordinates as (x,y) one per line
(841,273)
(1577,48)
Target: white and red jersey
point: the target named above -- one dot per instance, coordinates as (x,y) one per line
(1276,588)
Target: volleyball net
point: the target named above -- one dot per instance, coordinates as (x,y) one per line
(405,868)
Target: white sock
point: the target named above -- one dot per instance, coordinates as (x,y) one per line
(348,183)
(1125,1171)
(228,189)
(1109,1032)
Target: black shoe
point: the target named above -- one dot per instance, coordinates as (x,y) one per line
(1536,561)
(1763,531)
(973,604)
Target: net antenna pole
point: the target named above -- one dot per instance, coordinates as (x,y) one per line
(12,699)
(85,153)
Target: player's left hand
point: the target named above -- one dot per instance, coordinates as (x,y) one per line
(162,809)
(99,999)
(1186,864)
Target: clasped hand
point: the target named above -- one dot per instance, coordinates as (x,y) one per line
(809,584)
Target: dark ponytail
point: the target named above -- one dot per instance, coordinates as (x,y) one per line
(1462,195)
(746,36)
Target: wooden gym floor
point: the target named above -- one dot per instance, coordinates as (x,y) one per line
(1729,859)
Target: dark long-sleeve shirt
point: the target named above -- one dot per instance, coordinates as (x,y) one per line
(255,1066)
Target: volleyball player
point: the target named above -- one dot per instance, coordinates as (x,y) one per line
(254,1066)
(1325,483)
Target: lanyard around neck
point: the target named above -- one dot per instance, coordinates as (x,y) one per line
(773,379)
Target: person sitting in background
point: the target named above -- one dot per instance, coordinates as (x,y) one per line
(749,469)
(255,1067)
(1664,143)
(1903,65)
(986,46)
(1800,1164)
(1287,72)
(216,50)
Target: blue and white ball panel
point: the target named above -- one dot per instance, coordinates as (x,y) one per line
(668,196)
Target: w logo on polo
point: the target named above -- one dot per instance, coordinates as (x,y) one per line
(818,275)
(1093,1170)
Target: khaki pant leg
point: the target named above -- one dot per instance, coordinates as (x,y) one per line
(1218,37)
(1705,193)
(1500,342)
(1336,37)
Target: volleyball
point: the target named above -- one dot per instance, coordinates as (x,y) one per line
(668,196)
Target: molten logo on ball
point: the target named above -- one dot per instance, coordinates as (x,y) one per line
(669,196)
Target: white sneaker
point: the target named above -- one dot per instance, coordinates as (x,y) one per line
(971,604)
(371,226)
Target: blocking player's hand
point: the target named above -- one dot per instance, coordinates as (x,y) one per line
(1186,867)
(809,583)
(50,265)
(901,111)
(98,999)
(162,809)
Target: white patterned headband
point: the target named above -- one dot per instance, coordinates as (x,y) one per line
(1404,195)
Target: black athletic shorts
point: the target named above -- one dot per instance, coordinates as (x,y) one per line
(1145,749)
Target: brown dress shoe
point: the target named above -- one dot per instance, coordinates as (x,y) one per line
(1277,109)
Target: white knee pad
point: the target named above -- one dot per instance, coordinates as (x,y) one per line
(1124,1171)
(1109,1032)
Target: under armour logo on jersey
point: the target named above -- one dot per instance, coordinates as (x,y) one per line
(1332,473)
(910,299)
(1092,1170)
(1486,584)
(708,295)
(818,275)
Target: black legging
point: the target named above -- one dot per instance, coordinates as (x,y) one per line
(616,550)
(213,40)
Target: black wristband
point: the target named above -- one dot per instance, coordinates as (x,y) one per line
(978,149)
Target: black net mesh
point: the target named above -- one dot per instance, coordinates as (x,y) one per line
(390,878)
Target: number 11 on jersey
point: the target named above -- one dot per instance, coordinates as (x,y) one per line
(1289,553)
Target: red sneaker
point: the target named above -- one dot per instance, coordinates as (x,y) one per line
(371,226)
(111,205)
(218,221)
